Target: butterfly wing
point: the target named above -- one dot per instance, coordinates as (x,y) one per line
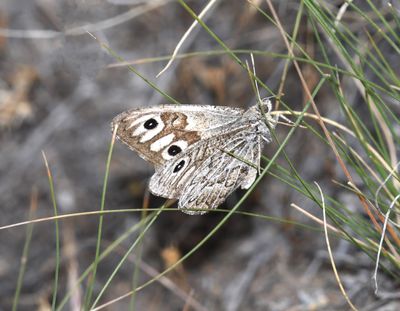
(226,170)
(209,171)
(169,180)
(159,134)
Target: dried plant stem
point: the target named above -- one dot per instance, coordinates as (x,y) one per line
(330,252)
(186,35)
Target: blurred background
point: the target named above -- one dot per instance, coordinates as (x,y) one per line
(59,90)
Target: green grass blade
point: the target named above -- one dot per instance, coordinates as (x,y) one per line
(89,292)
(53,200)
(25,252)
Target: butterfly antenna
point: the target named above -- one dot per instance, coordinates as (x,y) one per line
(255,78)
(263,101)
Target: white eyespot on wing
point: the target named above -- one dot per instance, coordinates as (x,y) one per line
(165,181)
(149,133)
(140,120)
(162,142)
(141,129)
(181,144)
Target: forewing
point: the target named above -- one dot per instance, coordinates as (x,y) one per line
(222,173)
(152,131)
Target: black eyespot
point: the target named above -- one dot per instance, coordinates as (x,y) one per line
(179,166)
(174,150)
(150,124)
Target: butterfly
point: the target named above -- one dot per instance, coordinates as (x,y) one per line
(201,154)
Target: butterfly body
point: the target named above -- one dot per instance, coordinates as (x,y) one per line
(201,154)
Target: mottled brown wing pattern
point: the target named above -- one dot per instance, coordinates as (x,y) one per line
(148,134)
(158,134)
